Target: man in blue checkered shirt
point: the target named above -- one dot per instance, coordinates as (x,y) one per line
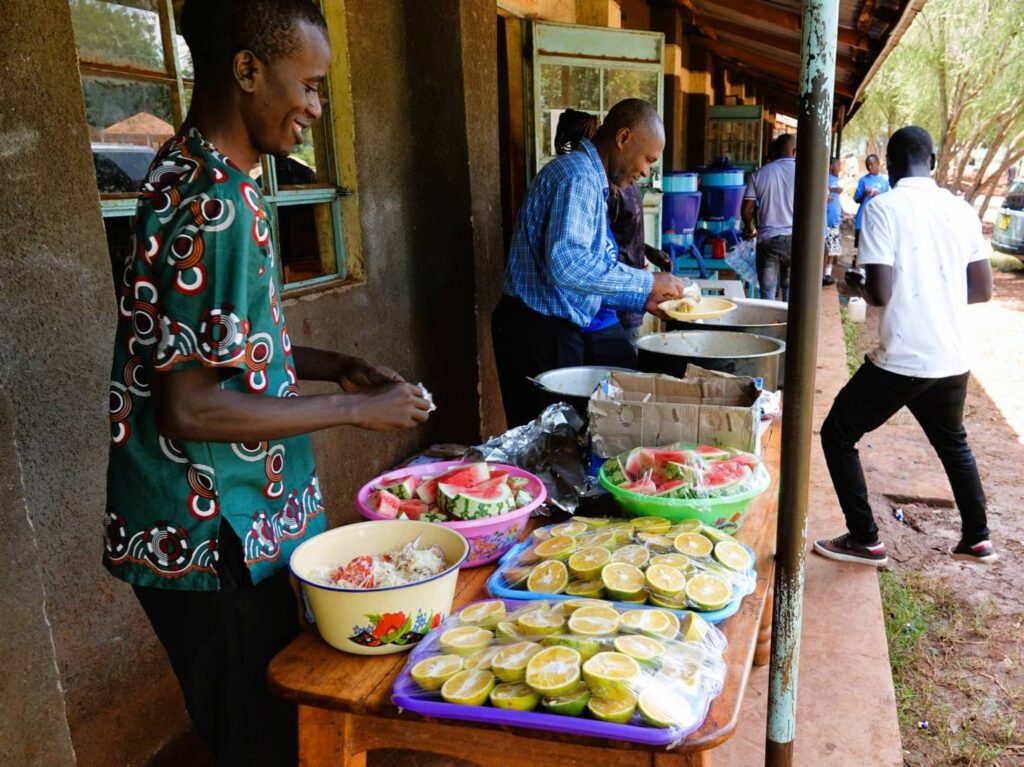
(564,282)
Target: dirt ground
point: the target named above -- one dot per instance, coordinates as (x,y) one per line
(961,665)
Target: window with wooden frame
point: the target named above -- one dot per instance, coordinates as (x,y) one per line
(137,80)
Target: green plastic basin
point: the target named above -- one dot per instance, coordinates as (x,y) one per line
(726,513)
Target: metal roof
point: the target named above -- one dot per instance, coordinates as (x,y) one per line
(760,40)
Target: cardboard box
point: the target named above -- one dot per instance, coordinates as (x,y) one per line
(651,410)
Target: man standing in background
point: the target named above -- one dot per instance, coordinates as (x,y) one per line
(771,188)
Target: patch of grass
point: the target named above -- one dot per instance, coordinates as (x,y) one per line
(928,630)
(1003,262)
(851,336)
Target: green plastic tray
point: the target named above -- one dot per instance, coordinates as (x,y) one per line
(727,514)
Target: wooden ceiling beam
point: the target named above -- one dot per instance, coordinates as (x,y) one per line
(784,71)
(778,17)
(780,42)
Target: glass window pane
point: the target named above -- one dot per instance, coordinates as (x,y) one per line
(622,84)
(128,122)
(125,33)
(565,87)
(306,241)
(184,58)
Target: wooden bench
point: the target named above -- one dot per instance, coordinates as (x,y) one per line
(345,707)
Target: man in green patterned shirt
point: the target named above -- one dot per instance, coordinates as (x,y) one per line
(212,482)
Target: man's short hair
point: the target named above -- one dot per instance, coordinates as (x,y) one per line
(215,30)
(912,144)
(870,157)
(632,114)
(783,144)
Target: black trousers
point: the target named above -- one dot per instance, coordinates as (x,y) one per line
(527,343)
(219,644)
(870,399)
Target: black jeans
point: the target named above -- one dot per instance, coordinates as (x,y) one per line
(773,258)
(219,644)
(870,399)
(527,343)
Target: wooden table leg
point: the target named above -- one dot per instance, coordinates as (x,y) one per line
(763,652)
(325,739)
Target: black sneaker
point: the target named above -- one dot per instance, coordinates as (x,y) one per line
(978,552)
(827,280)
(845,549)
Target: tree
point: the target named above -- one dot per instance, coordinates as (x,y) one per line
(957,72)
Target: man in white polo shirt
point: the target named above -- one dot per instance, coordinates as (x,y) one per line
(925,260)
(772,188)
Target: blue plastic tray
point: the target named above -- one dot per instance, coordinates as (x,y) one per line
(497,587)
(406,694)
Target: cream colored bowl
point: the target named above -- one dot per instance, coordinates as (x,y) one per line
(384,620)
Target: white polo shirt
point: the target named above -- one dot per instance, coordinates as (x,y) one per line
(928,236)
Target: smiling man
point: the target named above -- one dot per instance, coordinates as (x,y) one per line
(211,481)
(564,282)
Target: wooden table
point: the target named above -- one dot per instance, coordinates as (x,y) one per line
(345,704)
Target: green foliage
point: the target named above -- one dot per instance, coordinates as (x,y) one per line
(957,72)
(851,337)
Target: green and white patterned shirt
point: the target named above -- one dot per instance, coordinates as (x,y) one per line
(201,289)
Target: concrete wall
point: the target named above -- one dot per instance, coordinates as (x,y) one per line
(426,146)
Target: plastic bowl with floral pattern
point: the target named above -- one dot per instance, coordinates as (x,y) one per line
(489,537)
(382,620)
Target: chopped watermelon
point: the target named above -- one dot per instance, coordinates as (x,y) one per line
(614,471)
(413,508)
(487,499)
(709,453)
(639,461)
(402,487)
(642,487)
(747,459)
(427,491)
(680,471)
(674,488)
(724,476)
(663,457)
(385,503)
(466,475)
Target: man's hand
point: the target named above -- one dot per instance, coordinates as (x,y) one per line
(358,374)
(666,287)
(389,407)
(749,233)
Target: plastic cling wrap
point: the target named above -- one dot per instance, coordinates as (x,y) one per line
(581,667)
(686,566)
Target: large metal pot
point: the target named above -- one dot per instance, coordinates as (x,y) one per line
(751,315)
(573,385)
(742,354)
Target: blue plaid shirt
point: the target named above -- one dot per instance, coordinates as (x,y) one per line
(559,264)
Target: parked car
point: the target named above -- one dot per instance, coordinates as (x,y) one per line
(1008,235)
(121,167)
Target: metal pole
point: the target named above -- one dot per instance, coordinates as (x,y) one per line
(817,80)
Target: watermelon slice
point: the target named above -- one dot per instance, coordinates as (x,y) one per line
(466,476)
(642,487)
(523,498)
(681,471)
(413,509)
(385,503)
(518,483)
(674,488)
(639,461)
(402,487)
(427,491)
(747,459)
(614,471)
(725,478)
(487,499)
(664,457)
(709,453)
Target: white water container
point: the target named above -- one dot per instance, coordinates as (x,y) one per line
(857,309)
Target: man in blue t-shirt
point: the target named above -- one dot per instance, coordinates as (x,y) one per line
(870,185)
(833,216)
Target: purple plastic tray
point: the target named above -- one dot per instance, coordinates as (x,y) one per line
(405,693)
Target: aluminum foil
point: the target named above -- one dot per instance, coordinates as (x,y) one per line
(551,447)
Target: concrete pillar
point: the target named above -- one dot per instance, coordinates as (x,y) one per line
(697,104)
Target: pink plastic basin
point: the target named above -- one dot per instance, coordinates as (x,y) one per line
(488,538)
